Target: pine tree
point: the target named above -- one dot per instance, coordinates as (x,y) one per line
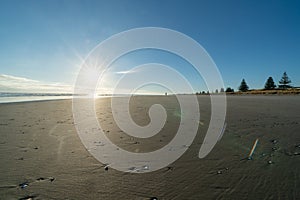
(285,81)
(243,87)
(270,85)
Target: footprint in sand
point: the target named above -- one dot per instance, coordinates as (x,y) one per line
(31,197)
(41,179)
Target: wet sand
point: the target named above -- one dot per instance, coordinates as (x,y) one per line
(42,156)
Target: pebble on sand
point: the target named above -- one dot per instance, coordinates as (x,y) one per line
(270,162)
(23,185)
(274,141)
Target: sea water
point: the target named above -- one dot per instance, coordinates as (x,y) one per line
(24,97)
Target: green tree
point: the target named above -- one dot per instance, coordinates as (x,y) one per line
(243,87)
(229,89)
(285,81)
(270,85)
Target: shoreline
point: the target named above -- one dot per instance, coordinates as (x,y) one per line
(151,96)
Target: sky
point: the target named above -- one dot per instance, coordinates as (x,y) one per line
(43,43)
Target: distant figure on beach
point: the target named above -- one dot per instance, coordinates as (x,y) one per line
(166,94)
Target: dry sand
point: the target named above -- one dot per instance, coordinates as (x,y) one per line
(42,156)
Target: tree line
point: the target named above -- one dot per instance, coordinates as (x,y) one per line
(284,83)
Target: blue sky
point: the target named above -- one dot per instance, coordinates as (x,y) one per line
(45,41)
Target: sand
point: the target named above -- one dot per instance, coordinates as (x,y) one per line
(42,156)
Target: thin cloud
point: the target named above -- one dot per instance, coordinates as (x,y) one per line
(10,83)
(125,72)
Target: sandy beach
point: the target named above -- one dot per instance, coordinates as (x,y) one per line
(42,156)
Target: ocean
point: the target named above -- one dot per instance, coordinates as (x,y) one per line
(7,97)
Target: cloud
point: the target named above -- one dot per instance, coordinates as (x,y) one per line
(125,72)
(19,84)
